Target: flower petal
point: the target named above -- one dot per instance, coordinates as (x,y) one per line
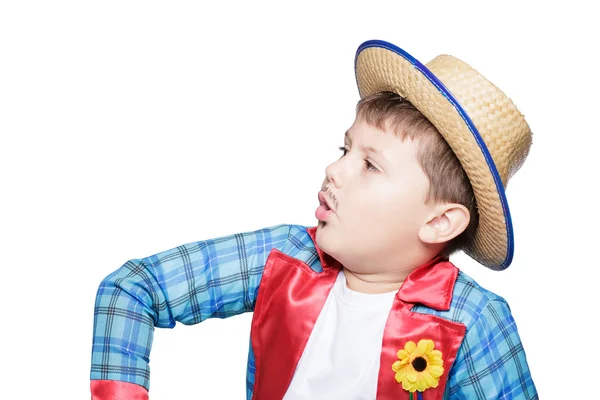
(396,366)
(436,371)
(421,383)
(435,354)
(398,377)
(401,375)
(436,361)
(410,346)
(424,346)
(410,386)
(429,380)
(411,374)
(402,354)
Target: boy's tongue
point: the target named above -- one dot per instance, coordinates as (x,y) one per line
(322,212)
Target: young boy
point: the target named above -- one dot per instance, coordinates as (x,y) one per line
(365,305)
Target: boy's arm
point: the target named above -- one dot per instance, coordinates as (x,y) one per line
(212,278)
(491,362)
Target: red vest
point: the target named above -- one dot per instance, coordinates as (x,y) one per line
(291,296)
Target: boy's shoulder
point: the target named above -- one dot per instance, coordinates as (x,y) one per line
(471,304)
(299,244)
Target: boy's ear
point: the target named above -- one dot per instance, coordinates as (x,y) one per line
(446,222)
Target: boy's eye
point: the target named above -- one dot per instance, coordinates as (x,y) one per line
(370,167)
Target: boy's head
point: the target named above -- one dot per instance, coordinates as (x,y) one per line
(426,175)
(399,194)
(448,182)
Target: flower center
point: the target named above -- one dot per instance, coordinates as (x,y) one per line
(419,364)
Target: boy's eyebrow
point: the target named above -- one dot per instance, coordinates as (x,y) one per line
(366,149)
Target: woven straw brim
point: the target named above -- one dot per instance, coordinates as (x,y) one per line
(380,67)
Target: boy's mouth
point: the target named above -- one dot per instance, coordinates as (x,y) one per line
(325,210)
(325,201)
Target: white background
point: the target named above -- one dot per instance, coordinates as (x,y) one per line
(131,127)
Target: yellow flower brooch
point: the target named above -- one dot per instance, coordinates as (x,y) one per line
(419,366)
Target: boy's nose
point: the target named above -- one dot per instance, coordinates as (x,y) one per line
(334,174)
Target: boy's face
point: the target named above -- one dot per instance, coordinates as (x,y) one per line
(375,202)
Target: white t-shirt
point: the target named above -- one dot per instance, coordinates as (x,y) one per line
(341,358)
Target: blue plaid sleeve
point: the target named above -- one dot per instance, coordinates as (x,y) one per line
(212,278)
(491,362)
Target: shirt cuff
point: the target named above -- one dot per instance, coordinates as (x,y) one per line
(116,390)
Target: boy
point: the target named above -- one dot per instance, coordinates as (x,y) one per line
(365,305)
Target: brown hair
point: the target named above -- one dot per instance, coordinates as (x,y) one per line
(448,182)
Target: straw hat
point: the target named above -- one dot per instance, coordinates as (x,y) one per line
(481,124)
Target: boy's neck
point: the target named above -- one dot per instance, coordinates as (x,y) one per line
(373,283)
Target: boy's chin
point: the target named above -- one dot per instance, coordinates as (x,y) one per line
(323,229)
(325,238)
(322,226)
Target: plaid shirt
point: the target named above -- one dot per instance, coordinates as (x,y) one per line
(220,277)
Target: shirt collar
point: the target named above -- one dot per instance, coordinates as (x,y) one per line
(430,284)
